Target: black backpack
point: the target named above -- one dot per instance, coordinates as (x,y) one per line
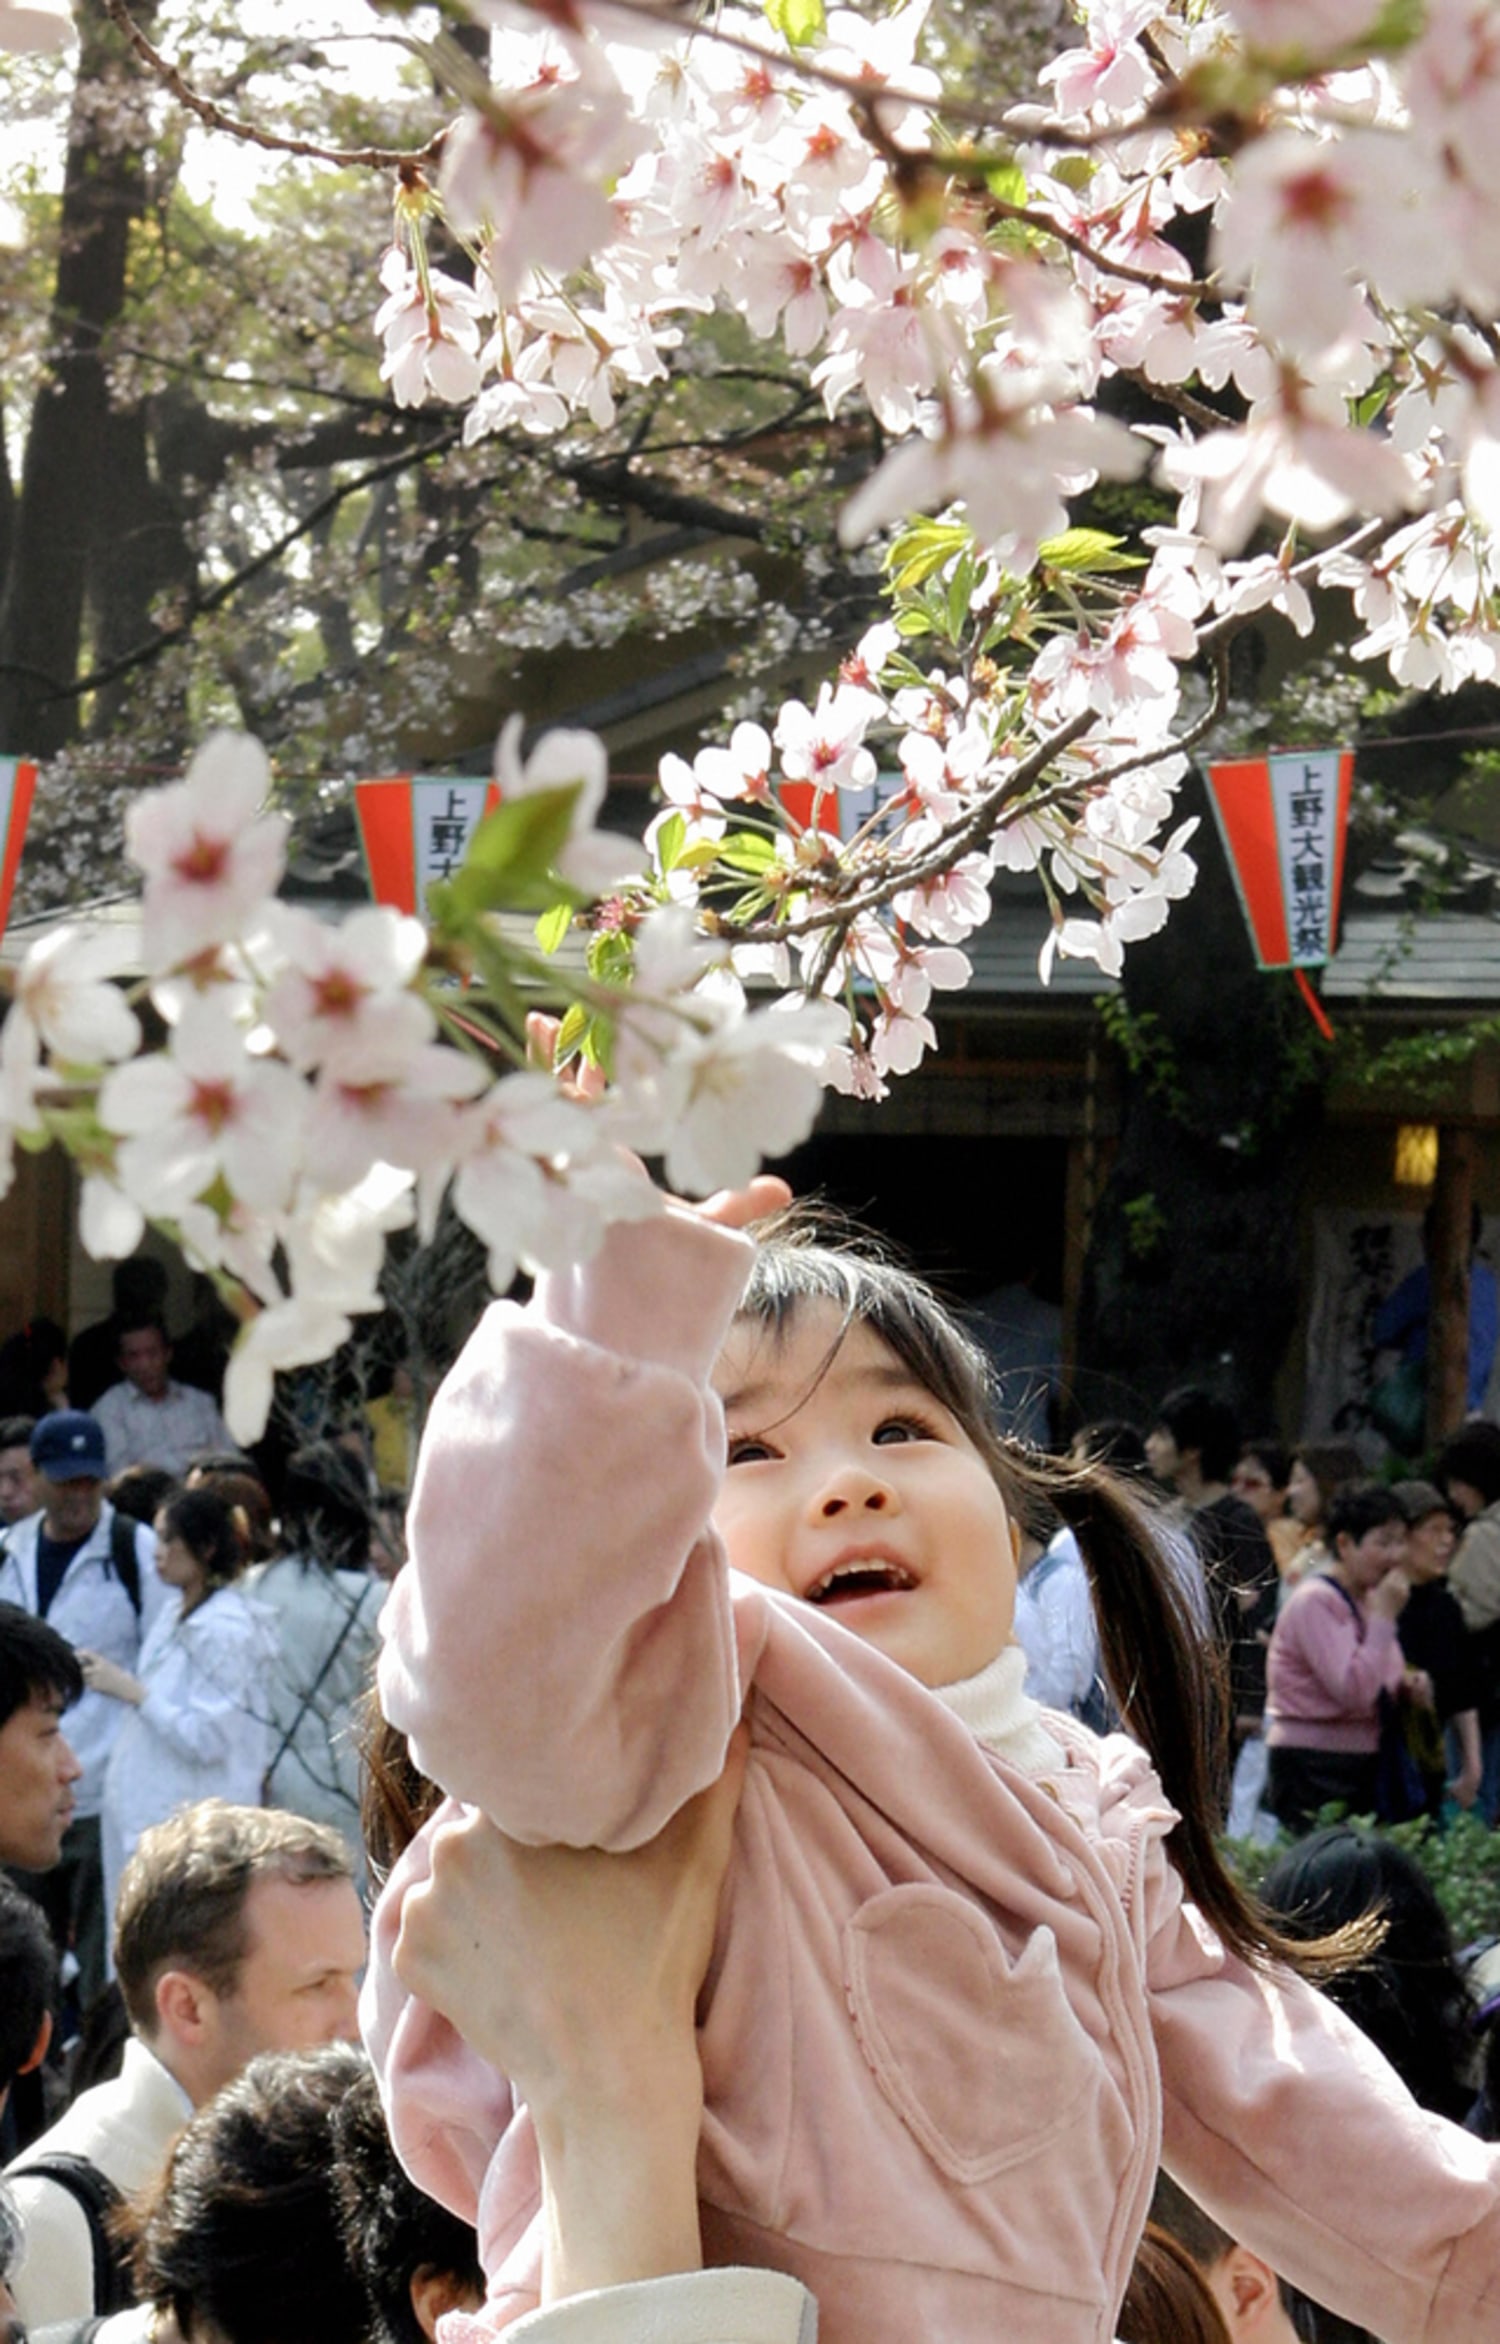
(97,2197)
(123,1558)
(124,1561)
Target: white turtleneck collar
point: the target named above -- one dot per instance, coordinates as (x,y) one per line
(1001,1715)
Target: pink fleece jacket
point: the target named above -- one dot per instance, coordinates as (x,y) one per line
(955,2011)
(1326,1670)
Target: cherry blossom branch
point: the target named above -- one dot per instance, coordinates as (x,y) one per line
(1180,401)
(954,839)
(214,117)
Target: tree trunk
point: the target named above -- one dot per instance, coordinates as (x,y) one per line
(64,505)
(1192,1272)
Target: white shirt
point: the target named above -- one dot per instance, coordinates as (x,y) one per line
(126,2127)
(1054,1626)
(690,2307)
(169,1432)
(203,1730)
(92,1609)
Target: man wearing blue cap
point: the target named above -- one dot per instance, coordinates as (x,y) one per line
(92,1576)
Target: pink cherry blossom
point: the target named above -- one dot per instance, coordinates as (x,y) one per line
(825,744)
(343,993)
(1111,72)
(744,1089)
(401,1110)
(209,855)
(1307,219)
(201,1110)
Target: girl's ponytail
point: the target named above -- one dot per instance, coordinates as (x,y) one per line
(1171,1686)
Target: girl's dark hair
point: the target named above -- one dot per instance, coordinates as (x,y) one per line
(325,1509)
(1166,1685)
(395,1800)
(1273,1455)
(1472,1455)
(1112,1441)
(1409,1995)
(25,1358)
(234,1480)
(391,2228)
(140,1491)
(1167,2300)
(1359,1508)
(243,2230)
(211,1530)
(1196,1419)
(1331,1464)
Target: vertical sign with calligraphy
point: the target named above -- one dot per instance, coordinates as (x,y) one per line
(1284,821)
(1306,795)
(414,828)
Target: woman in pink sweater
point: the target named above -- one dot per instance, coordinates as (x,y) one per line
(976,1972)
(1334,1652)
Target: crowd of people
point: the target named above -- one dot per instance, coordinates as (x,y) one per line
(641,1972)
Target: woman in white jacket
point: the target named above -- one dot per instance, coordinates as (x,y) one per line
(200,1723)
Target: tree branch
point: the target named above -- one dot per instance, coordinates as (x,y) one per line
(228,587)
(215,118)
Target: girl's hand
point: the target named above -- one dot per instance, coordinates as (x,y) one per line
(107,1676)
(732,1208)
(736,1208)
(1419,1689)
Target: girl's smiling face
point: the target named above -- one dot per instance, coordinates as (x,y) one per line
(851,1487)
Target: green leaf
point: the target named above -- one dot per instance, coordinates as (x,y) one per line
(1007,181)
(513,852)
(913,622)
(748,850)
(1080,552)
(611,957)
(797,21)
(1396,27)
(1367,408)
(960,591)
(670,841)
(919,552)
(553,926)
(570,1034)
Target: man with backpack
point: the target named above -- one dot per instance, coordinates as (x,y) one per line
(91,1575)
(238,1930)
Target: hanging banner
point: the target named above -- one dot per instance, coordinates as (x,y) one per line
(415,828)
(1284,821)
(17,789)
(842,812)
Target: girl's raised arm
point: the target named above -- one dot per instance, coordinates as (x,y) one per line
(560,1648)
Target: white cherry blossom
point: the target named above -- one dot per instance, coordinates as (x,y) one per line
(342,994)
(593,860)
(200,1110)
(209,854)
(65,988)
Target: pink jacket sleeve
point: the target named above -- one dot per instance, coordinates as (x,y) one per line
(1288,2127)
(1354,1671)
(560,1649)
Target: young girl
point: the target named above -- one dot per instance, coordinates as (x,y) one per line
(964,1992)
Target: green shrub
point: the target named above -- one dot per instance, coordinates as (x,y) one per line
(1462,1861)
